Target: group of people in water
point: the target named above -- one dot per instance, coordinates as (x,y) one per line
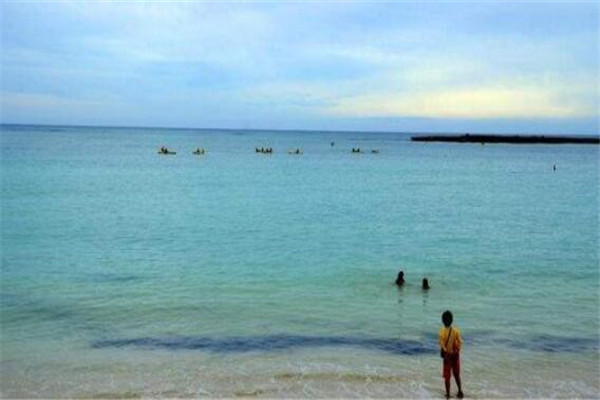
(450,343)
(359,150)
(262,150)
(164,150)
(400,281)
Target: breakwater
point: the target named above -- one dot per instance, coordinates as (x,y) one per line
(515,139)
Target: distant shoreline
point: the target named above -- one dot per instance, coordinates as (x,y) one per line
(514,139)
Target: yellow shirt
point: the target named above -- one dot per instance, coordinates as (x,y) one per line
(455,342)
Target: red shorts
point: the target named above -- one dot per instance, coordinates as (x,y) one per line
(451,364)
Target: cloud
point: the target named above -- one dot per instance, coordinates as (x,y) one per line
(474,103)
(38,101)
(176,33)
(45,108)
(327,62)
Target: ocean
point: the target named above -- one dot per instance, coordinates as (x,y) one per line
(126,273)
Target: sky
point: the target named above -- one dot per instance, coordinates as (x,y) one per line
(488,66)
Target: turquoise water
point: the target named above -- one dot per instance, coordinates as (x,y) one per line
(130,274)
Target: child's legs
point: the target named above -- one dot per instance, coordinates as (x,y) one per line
(456,373)
(457,379)
(447,374)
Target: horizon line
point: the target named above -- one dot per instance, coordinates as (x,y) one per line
(292,130)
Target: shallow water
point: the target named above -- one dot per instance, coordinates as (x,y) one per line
(130,274)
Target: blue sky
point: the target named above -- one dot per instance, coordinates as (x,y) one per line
(391,66)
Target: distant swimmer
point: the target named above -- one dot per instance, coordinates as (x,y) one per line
(554,167)
(400,279)
(375,151)
(332,144)
(425,285)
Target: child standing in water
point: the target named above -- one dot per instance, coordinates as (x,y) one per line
(450,344)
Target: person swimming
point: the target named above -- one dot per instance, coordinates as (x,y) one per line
(425,285)
(400,278)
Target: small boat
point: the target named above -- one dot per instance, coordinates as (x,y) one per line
(165,151)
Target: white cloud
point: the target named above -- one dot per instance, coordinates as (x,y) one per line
(38,101)
(324,61)
(472,103)
(177,32)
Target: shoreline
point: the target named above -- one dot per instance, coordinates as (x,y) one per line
(512,139)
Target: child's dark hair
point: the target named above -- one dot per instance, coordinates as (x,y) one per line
(447,318)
